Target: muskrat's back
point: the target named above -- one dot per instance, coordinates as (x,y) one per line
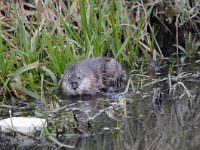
(92,75)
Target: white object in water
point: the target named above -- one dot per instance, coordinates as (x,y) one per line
(22,124)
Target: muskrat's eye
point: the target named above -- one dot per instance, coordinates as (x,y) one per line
(66,79)
(78,77)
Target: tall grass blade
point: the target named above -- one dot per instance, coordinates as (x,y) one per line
(26,68)
(115,33)
(52,75)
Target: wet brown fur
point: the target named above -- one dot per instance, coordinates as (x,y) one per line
(93,75)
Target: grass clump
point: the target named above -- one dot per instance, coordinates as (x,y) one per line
(54,34)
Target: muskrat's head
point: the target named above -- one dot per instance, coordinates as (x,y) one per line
(78,81)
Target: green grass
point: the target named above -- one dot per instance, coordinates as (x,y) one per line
(35,50)
(48,41)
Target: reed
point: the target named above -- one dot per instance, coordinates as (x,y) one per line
(56,34)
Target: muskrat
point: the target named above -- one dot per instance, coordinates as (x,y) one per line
(93,75)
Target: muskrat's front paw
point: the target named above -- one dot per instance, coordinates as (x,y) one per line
(101,87)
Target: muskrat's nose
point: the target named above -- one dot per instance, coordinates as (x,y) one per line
(74,85)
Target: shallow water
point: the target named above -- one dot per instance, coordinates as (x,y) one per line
(137,120)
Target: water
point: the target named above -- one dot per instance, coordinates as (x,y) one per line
(141,120)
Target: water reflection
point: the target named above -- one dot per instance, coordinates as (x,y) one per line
(176,126)
(150,119)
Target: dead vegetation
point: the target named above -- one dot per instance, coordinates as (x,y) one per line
(162,24)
